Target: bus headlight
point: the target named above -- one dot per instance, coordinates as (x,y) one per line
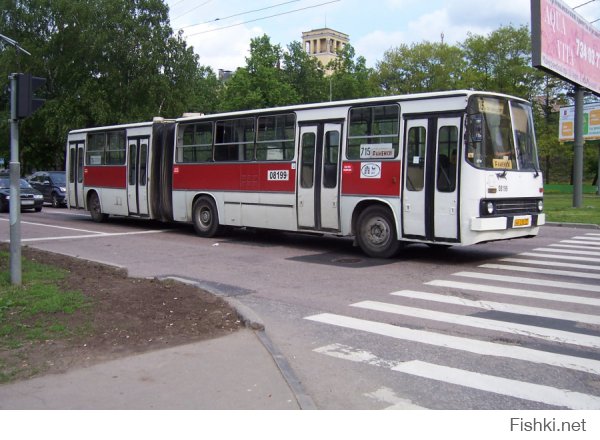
(540,205)
(489,208)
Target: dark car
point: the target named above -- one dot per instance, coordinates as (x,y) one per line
(30,197)
(52,184)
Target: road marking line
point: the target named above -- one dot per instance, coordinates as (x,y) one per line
(459,343)
(543,333)
(57,227)
(566,273)
(590,244)
(547,296)
(560,257)
(101,235)
(552,263)
(501,385)
(533,281)
(469,379)
(387,395)
(500,307)
(567,251)
(589,236)
(574,246)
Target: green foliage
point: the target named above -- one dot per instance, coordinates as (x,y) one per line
(106,62)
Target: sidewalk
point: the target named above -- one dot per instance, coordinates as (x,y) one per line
(238,371)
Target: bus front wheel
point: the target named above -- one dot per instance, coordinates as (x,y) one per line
(205,217)
(376,233)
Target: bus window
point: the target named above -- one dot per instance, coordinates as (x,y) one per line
(500,134)
(275,137)
(330,162)
(446,164)
(194,143)
(308,160)
(524,137)
(373,132)
(106,148)
(415,158)
(234,140)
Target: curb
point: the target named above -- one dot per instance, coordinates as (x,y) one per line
(252,321)
(573,225)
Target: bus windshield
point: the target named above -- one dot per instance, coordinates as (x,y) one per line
(500,134)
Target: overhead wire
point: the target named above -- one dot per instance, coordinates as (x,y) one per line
(238,14)
(262,18)
(193,9)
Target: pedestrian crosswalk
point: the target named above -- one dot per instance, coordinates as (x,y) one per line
(546,299)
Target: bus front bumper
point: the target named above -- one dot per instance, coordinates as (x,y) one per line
(507,222)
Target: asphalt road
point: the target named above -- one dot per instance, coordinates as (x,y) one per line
(504,326)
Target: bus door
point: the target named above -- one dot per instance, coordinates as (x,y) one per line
(430,197)
(318,176)
(75,178)
(137,175)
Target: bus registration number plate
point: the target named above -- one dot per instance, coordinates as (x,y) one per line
(522,222)
(278,175)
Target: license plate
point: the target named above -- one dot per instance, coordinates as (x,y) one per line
(27,202)
(522,222)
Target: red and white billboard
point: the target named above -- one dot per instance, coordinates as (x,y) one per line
(564,43)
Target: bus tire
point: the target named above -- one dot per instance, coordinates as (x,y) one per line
(205,217)
(96,209)
(376,232)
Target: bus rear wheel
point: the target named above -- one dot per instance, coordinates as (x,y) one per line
(376,232)
(205,217)
(96,209)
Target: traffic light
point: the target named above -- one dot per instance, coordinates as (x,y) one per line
(27,102)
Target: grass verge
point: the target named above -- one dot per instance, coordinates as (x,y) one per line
(558,205)
(34,312)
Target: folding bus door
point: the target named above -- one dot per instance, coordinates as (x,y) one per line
(318,176)
(137,175)
(430,197)
(75,178)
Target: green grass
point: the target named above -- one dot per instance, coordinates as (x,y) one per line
(35,312)
(558,205)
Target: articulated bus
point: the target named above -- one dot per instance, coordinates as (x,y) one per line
(445,168)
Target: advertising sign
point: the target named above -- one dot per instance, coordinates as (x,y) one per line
(591,123)
(565,43)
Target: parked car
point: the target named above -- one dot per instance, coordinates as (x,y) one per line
(52,184)
(31,198)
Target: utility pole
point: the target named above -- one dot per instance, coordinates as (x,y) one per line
(578,156)
(15,187)
(23,103)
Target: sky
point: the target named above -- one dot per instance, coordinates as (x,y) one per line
(220,31)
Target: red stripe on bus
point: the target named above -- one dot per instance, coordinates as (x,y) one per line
(371,178)
(277,177)
(107,176)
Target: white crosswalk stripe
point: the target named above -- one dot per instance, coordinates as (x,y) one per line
(567,273)
(501,307)
(573,258)
(498,385)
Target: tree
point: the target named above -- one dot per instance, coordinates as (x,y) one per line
(261,83)
(421,67)
(305,74)
(501,62)
(350,77)
(106,61)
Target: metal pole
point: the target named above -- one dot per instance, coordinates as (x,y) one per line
(578,156)
(15,188)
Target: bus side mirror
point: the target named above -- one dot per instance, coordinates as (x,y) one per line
(475,126)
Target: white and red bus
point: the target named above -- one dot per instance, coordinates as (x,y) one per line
(446,168)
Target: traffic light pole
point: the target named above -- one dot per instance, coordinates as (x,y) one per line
(15,188)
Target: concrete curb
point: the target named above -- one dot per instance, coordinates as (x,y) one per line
(253,321)
(573,225)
